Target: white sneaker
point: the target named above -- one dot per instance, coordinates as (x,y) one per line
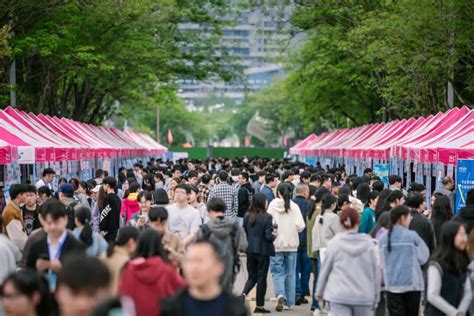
(286,308)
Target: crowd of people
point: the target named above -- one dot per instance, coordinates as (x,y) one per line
(169,238)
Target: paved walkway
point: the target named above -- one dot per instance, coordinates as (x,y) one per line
(270,301)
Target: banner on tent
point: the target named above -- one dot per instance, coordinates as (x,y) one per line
(382,170)
(464,182)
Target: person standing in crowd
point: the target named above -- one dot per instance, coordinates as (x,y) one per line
(245,196)
(172,243)
(350,277)
(229,233)
(395,198)
(260,182)
(395,183)
(47,179)
(66,196)
(119,254)
(79,191)
(140,219)
(449,286)
(44,193)
(203,266)
(420,223)
(226,192)
(204,188)
(109,222)
(402,254)
(303,263)
(199,206)
(447,189)
(258,226)
(95,243)
(441,213)
(367,223)
(24,293)
(12,219)
(130,204)
(466,214)
(183,219)
(149,277)
(287,217)
(83,283)
(9,256)
(326,225)
(30,210)
(99,176)
(270,184)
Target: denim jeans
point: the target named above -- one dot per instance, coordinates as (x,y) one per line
(315,264)
(303,273)
(283,268)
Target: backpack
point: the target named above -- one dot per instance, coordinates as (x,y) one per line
(71,215)
(231,254)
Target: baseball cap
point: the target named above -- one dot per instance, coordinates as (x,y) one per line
(66,188)
(96,189)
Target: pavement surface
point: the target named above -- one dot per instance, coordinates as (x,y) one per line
(270,300)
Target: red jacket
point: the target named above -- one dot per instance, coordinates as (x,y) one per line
(129,207)
(147,282)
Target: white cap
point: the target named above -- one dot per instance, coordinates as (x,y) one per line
(96,189)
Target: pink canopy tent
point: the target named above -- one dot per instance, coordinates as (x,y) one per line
(295,150)
(8,153)
(444,137)
(42,138)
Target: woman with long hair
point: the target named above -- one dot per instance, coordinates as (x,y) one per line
(379,208)
(327,223)
(449,287)
(367,223)
(25,293)
(289,222)
(351,261)
(94,242)
(440,214)
(260,235)
(403,253)
(148,277)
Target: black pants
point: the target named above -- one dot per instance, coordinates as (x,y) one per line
(257,267)
(403,304)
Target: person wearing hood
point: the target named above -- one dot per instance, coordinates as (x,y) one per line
(229,234)
(466,215)
(130,205)
(289,222)
(350,277)
(245,196)
(149,277)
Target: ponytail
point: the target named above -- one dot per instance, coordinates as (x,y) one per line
(83,215)
(284,191)
(395,214)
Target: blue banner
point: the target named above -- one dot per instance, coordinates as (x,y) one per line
(382,170)
(464,181)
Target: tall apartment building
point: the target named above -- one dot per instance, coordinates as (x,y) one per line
(254,41)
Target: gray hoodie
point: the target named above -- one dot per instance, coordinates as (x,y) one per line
(221,229)
(350,274)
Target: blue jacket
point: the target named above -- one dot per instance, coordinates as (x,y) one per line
(99,245)
(268,193)
(367,222)
(402,266)
(260,236)
(303,205)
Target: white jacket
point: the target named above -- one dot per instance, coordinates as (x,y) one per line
(289,225)
(323,233)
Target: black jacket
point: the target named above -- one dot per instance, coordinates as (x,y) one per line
(303,204)
(39,249)
(245,196)
(173,306)
(423,227)
(110,215)
(466,216)
(260,236)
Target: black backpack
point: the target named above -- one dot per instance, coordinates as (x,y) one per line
(71,224)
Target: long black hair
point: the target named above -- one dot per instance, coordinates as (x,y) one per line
(149,245)
(84,216)
(123,236)
(327,202)
(446,253)
(395,214)
(363,191)
(28,283)
(393,196)
(258,209)
(372,196)
(284,191)
(383,221)
(318,197)
(379,208)
(442,209)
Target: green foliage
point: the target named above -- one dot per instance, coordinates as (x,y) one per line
(5,52)
(78,58)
